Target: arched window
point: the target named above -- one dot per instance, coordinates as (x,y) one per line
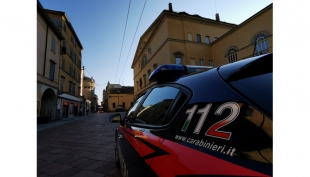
(232,55)
(261,44)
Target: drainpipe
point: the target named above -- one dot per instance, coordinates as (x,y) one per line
(45,50)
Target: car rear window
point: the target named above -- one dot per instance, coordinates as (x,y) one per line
(258,89)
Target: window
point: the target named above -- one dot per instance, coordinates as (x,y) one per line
(71,70)
(53,49)
(65,27)
(261,44)
(207,40)
(178,61)
(144,61)
(63,64)
(232,55)
(52,70)
(193,61)
(74,57)
(201,62)
(71,53)
(113,105)
(124,105)
(62,84)
(128,117)
(73,73)
(140,84)
(189,36)
(64,43)
(73,89)
(144,80)
(149,72)
(70,87)
(198,37)
(211,63)
(178,58)
(137,85)
(149,50)
(154,108)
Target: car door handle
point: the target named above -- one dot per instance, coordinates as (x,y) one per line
(120,136)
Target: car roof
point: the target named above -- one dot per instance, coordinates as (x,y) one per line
(252,66)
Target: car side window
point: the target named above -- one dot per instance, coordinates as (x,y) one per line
(156,105)
(131,111)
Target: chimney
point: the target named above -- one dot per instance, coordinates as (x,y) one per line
(170,7)
(217,17)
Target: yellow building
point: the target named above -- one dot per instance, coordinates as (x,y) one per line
(181,38)
(48,59)
(69,99)
(117,96)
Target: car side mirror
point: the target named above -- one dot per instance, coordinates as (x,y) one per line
(115,118)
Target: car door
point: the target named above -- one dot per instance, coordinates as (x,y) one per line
(144,129)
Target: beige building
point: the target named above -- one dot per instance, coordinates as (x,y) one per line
(69,100)
(48,59)
(181,38)
(117,96)
(89,93)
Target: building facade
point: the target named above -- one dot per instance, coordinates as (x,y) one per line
(49,41)
(117,96)
(69,100)
(89,94)
(181,38)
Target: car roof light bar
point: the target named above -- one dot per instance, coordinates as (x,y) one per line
(171,72)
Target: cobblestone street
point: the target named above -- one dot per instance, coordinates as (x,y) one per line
(84,147)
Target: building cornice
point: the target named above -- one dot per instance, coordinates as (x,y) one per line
(48,20)
(63,14)
(170,14)
(244,22)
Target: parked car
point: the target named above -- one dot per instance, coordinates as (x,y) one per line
(100,109)
(198,121)
(120,109)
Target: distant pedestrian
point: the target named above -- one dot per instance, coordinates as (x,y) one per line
(87,111)
(81,111)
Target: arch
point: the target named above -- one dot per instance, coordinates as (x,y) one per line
(231,54)
(261,44)
(265,33)
(48,104)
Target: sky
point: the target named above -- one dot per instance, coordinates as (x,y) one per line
(109,31)
(100,25)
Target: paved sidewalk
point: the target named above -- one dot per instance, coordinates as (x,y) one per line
(43,126)
(77,147)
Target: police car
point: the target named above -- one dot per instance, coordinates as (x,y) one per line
(199,121)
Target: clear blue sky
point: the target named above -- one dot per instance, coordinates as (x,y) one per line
(100,26)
